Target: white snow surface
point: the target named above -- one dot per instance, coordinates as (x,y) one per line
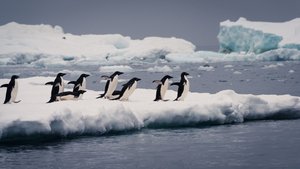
(25,44)
(32,116)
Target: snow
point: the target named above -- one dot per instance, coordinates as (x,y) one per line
(122,68)
(208,56)
(46,45)
(163,69)
(207,68)
(258,37)
(273,66)
(32,116)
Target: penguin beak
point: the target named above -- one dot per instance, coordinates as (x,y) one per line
(121,73)
(63,74)
(86,75)
(137,79)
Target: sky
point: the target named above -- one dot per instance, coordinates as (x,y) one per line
(194,20)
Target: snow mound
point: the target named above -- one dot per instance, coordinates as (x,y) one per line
(258,37)
(44,45)
(122,68)
(163,69)
(32,118)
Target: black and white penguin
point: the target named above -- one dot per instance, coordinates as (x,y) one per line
(80,83)
(127,89)
(111,85)
(69,95)
(162,87)
(183,87)
(12,90)
(57,86)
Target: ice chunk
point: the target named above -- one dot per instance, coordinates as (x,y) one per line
(33,117)
(258,37)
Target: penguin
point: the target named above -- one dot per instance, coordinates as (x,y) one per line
(111,85)
(162,87)
(75,95)
(57,86)
(12,90)
(80,83)
(183,87)
(127,89)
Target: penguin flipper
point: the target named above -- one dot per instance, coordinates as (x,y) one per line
(157,81)
(72,82)
(4,85)
(175,83)
(49,83)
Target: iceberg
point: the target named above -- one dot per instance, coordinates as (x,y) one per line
(33,119)
(243,40)
(258,37)
(43,45)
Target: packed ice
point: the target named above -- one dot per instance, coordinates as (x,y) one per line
(33,117)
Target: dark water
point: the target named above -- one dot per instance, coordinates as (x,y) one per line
(243,77)
(263,144)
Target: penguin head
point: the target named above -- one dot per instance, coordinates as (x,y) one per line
(118,73)
(184,74)
(60,74)
(84,75)
(168,77)
(136,79)
(15,77)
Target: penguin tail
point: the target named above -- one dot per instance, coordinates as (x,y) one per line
(52,100)
(4,85)
(101,96)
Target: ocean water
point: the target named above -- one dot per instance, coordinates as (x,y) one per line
(255,144)
(262,144)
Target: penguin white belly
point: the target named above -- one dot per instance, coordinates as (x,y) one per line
(112,87)
(164,89)
(61,86)
(129,91)
(14,92)
(83,85)
(186,89)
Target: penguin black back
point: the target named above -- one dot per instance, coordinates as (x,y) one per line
(55,86)
(10,86)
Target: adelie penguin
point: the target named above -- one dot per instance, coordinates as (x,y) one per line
(57,86)
(127,89)
(183,87)
(111,85)
(80,83)
(75,95)
(12,90)
(162,87)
